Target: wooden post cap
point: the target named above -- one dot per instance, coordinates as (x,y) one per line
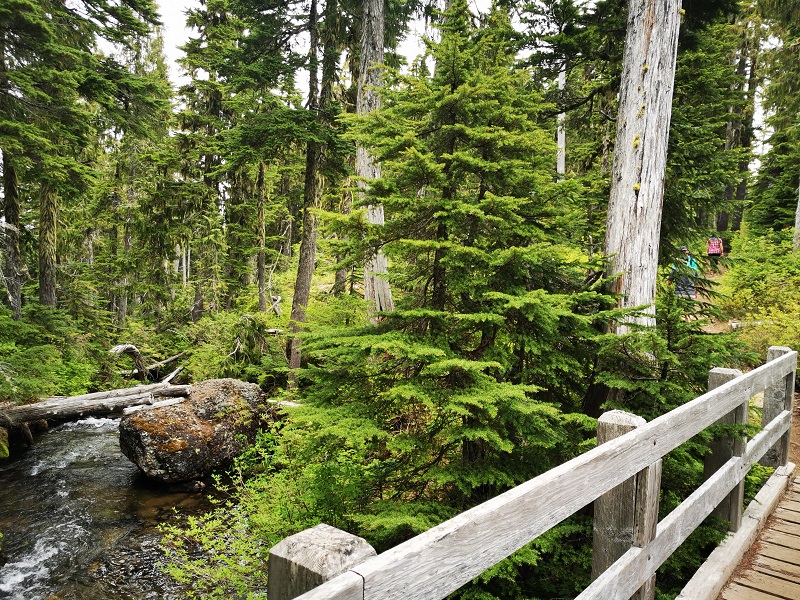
(305,560)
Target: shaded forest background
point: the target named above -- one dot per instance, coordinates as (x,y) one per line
(239,221)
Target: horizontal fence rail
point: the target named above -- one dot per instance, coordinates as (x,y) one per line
(439,561)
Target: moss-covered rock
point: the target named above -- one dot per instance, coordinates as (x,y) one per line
(187,441)
(3,443)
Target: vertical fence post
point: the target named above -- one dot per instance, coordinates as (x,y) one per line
(725,446)
(305,560)
(627,515)
(777,398)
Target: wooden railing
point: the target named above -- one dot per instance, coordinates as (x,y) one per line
(439,561)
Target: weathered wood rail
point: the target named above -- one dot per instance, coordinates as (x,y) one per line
(442,559)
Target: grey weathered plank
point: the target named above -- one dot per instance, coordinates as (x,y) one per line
(777,551)
(770,585)
(614,511)
(778,568)
(445,557)
(777,398)
(723,447)
(792,505)
(624,577)
(786,527)
(787,515)
(736,591)
(782,539)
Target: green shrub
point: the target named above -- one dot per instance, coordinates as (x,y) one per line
(44,354)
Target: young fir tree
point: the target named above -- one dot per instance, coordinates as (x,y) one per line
(458,394)
(467,388)
(125,247)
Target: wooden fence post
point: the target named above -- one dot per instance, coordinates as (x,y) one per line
(627,515)
(778,398)
(724,447)
(305,560)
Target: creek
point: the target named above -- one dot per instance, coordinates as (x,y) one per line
(79,521)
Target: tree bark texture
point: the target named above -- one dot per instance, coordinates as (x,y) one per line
(48,238)
(376,288)
(311,195)
(561,135)
(796,239)
(13,275)
(308,250)
(261,226)
(637,176)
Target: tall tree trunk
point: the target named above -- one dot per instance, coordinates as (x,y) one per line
(376,288)
(289,223)
(342,274)
(561,135)
(311,196)
(13,276)
(796,240)
(122,304)
(633,224)
(261,227)
(48,239)
(753,82)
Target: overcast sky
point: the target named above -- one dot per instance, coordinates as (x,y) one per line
(175,34)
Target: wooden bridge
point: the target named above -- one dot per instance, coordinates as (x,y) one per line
(622,477)
(771,570)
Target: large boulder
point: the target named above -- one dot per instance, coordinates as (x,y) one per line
(186,441)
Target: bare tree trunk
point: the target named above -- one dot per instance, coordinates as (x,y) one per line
(753,82)
(561,156)
(198,307)
(311,195)
(637,176)
(796,240)
(376,288)
(342,274)
(13,257)
(261,226)
(48,239)
(122,303)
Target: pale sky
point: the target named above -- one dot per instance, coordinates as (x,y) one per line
(175,34)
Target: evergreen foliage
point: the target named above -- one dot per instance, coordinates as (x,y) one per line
(132,213)
(46,353)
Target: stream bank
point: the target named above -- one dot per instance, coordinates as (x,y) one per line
(79,521)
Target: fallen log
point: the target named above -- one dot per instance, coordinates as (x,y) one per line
(95,404)
(135,355)
(159,404)
(152,367)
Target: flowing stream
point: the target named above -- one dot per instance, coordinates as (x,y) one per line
(79,520)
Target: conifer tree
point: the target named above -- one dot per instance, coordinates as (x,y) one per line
(128,240)
(205,118)
(52,83)
(776,194)
(708,94)
(453,379)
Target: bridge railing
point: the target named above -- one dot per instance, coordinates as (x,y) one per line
(439,561)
